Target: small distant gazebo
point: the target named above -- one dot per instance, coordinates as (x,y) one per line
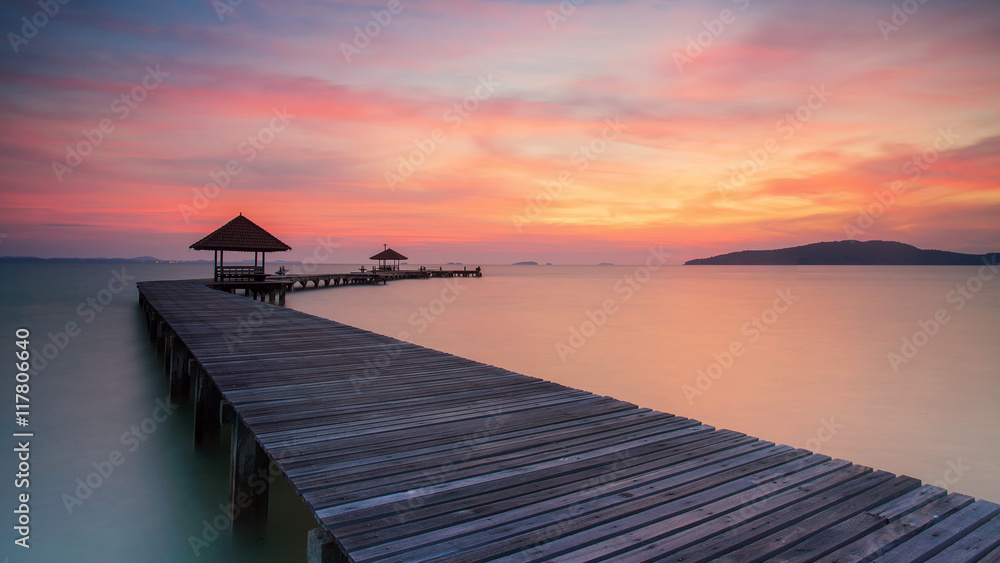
(385,256)
(240,235)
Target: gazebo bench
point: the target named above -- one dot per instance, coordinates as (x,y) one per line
(240,273)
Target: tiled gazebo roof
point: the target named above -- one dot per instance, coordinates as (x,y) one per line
(388,254)
(241,235)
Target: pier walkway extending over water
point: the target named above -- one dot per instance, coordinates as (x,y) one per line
(409,454)
(272,288)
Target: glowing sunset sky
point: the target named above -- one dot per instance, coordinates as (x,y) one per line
(494,131)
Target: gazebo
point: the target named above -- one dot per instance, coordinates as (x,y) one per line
(385,256)
(240,235)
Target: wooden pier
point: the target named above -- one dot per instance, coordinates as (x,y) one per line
(272,288)
(409,454)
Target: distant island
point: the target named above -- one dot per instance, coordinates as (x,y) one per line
(848,253)
(525,264)
(606,264)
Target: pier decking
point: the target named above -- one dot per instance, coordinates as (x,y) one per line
(409,454)
(272,288)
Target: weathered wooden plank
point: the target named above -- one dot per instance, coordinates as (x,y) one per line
(828,540)
(502,453)
(686,536)
(608,499)
(336,508)
(991,557)
(767,509)
(437,510)
(885,539)
(983,540)
(944,533)
(677,502)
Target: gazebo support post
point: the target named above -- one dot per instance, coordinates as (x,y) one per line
(240,235)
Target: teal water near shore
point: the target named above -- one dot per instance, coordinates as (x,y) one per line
(893,367)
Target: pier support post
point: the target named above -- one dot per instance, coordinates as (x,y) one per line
(191,367)
(180,383)
(169,343)
(323,548)
(248,479)
(206,410)
(151,322)
(162,337)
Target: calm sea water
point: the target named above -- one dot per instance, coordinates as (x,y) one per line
(893,367)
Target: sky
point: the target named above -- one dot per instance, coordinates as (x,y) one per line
(490,131)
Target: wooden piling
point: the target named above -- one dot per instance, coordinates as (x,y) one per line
(321,547)
(169,343)
(151,325)
(248,478)
(206,410)
(162,329)
(180,384)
